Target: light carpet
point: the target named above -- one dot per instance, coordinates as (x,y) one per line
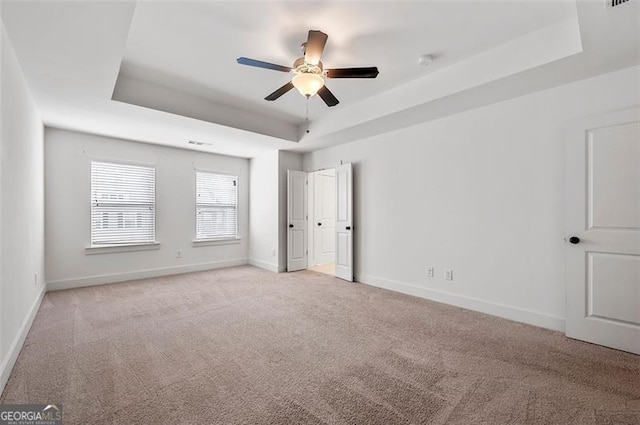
(246,346)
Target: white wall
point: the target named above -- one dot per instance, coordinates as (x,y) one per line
(268,210)
(67,170)
(263,211)
(286,161)
(21,209)
(480,192)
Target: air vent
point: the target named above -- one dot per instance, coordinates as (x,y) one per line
(195,142)
(614,3)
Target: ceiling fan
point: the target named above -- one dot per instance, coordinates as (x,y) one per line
(309,73)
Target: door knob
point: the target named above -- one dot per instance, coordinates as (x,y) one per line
(319,224)
(291,225)
(574,240)
(348,227)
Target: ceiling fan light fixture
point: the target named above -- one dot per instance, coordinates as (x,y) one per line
(309,73)
(307,83)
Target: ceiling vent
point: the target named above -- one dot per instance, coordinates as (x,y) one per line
(614,3)
(196,143)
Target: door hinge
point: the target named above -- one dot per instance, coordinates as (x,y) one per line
(306,182)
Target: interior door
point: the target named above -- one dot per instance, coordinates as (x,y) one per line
(296,220)
(344,222)
(603,231)
(324,216)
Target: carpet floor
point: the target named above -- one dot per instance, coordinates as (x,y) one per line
(246,346)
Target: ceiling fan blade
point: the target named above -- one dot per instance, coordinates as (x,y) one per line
(366,72)
(282,90)
(315,46)
(327,96)
(265,65)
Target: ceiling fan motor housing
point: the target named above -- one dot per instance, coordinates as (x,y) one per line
(300,66)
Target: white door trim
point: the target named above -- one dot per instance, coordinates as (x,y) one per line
(311,257)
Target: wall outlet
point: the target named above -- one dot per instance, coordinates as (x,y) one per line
(273,252)
(430,271)
(178,254)
(448,274)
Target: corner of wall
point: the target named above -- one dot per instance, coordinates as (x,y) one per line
(16,346)
(21,208)
(286,161)
(263,211)
(272,267)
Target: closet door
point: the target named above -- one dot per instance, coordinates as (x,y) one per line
(344,222)
(297,220)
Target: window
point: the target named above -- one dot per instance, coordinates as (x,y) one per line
(216,206)
(122,204)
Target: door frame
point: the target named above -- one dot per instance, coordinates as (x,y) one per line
(311,256)
(349,274)
(311,228)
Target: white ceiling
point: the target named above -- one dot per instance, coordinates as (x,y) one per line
(193,47)
(177,61)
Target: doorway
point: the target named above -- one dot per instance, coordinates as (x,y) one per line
(320,234)
(322,221)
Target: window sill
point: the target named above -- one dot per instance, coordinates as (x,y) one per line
(108,249)
(213,242)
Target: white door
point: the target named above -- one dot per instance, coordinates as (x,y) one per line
(296,220)
(603,231)
(344,222)
(324,216)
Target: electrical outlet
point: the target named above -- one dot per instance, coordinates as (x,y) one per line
(448,274)
(430,271)
(273,252)
(178,254)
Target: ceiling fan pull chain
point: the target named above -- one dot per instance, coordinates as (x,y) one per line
(306,118)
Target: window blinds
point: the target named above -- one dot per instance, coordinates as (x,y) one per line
(122,204)
(216,205)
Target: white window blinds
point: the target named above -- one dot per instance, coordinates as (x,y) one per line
(122,204)
(216,205)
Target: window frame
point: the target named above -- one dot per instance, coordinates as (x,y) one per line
(224,240)
(126,246)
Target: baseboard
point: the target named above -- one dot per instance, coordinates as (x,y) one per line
(58,285)
(18,342)
(264,265)
(517,314)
